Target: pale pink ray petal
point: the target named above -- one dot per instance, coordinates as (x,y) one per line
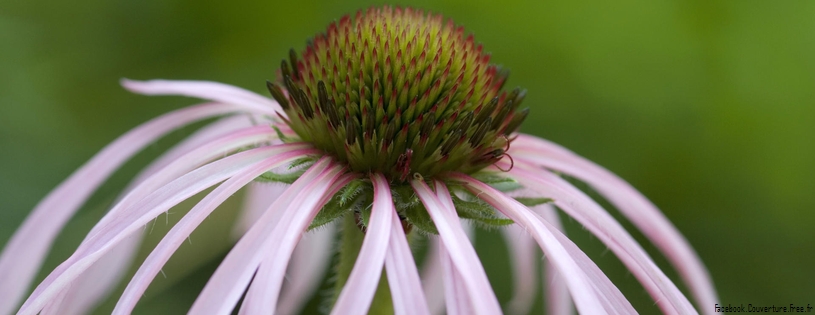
(403,277)
(257,199)
(131,219)
(179,233)
(264,291)
(199,138)
(458,302)
(99,280)
(358,292)
(205,153)
(308,266)
(524,255)
(229,281)
(459,248)
(208,90)
(557,299)
(432,277)
(581,285)
(96,283)
(631,203)
(583,209)
(23,254)
(432,273)
(271,217)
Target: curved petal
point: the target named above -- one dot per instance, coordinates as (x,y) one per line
(214,91)
(459,248)
(229,281)
(631,203)
(25,251)
(98,281)
(432,277)
(457,300)
(179,233)
(583,209)
(524,256)
(403,277)
(126,221)
(359,289)
(583,286)
(257,199)
(309,263)
(557,299)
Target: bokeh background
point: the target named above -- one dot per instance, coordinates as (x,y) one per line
(708,107)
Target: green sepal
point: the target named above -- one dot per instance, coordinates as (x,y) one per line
(304,162)
(411,208)
(282,136)
(349,199)
(286,178)
(479,212)
(501,183)
(533,201)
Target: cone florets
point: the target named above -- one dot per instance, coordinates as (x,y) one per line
(399,91)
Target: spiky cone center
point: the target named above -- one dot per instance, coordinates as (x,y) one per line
(400,92)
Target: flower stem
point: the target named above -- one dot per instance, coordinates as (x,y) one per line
(350,244)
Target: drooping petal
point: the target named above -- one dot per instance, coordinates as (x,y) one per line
(631,203)
(99,280)
(130,219)
(557,299)
(207,90)
(358,292)
(459,248)
(432,277)
(524,256)
(582,286)
(25,251)
(179,233)
(583,209)
(229,281)
(403,277)
(457,300)
(258,198)
(432,272)
(309,263)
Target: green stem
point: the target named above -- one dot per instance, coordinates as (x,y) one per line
(349,250)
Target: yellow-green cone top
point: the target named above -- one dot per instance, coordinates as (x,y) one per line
(399,91)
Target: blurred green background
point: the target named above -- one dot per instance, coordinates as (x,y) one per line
(707,107)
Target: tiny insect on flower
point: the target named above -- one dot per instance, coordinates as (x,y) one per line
(393,122)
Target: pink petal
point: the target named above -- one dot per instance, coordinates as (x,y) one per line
(229,281)
(24,253)
(455,292)
(130,219)
(432,277)
(358,292)
(179,233)
(609,231)
(524,257)
(432,272)
(309,263)
(99,280)
(214,91)
(557,299)
(583,286)
(638,209)
(258,198)
(202,154)
(461,251)
(403,277)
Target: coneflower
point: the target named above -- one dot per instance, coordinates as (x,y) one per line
(392,122)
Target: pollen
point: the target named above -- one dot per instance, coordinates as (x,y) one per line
(401,92)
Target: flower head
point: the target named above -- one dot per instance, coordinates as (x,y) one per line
(399,92)
(392,122)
